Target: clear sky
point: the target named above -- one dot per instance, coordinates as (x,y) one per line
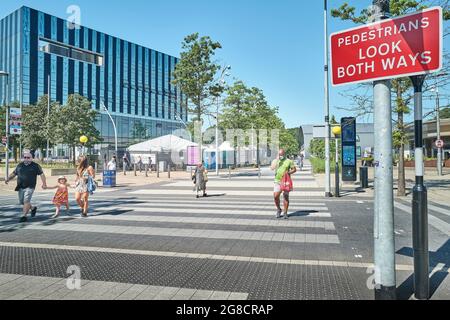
(274,45)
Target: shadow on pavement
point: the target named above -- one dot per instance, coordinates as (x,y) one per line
(302,213)
(440,258)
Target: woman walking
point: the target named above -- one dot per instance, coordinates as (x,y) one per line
(84,173)
(200,179)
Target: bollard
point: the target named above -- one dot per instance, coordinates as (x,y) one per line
(229,172)
(157,170)
(135,174)
(259,171)
(168,170)
(146,170)
(124,169)
(95,167)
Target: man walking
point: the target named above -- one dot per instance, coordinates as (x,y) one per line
(26,173)
(282,166)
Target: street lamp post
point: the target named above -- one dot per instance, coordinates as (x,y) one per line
(5,102)
(48,118)
(221,81)
(114,126)
(327,106)
(438,124)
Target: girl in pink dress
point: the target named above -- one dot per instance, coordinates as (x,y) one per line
(61,196)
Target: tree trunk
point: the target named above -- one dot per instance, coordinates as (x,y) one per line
(401,191)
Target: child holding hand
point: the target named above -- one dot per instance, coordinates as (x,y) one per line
(61,196)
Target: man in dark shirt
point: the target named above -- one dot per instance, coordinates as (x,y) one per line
(26,173)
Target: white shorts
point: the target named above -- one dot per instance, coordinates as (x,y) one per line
(277,189)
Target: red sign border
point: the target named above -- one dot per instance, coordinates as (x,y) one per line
(441,32)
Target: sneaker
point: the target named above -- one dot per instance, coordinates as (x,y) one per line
(33,212)
(23,219)
(55,216)
(286,216)
(279,214)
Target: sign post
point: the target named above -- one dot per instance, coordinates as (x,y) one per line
(406,46)
(420,202)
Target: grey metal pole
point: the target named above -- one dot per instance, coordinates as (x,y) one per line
(6,97)
(21,114)
(438,130)
(384,237)
(217,139)
(420,205)
(327,106)
(48,118)
(336,170)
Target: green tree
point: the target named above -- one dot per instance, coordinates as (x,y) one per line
(38,126)
(445,113)
(400,87)
(195,73)
(139,132)
(289,142)
(75,119)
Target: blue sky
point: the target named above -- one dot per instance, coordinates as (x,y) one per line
(274,45)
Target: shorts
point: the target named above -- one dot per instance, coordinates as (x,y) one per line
(25,195)
(277,189)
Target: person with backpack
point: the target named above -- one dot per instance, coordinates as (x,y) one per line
(283,168)
(84,184)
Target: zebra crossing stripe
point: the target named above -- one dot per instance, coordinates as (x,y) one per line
(439,224)
(222,221)
(192,233)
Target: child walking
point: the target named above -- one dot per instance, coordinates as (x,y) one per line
(61,196)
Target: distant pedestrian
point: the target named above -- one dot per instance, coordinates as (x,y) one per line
(150,163)
(61,197)
(85,174)
(27,172)
(283,168)
(302,159)
(200,179)
(126,162)
(112,165)
(140,164)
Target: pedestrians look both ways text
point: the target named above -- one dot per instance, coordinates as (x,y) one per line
(27,172)
(283,168)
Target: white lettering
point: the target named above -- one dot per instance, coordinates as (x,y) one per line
(414,58)
(384,49)
(341,72)
(426,59)
(388,63)
(341,42)
(425,22)
(402,28)
(402,62)
(396,46)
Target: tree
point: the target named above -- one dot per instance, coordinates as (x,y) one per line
(289,143)
(445,113)
(38,127)
(401,87)
(139,132)
(75,119)
(195,73)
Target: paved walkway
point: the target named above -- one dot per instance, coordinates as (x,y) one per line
(159,242)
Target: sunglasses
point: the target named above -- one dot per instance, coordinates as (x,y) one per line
(27,157)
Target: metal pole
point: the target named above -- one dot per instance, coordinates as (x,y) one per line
(384,253)
(420,205)
(438,130)
(6,97)
(48,117)
(21,114)
(327,107)
(114,127)
(336,170)
(217,139)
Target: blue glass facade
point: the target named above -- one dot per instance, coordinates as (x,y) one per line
(133,81)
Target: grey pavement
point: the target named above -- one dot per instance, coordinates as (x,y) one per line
(159,242)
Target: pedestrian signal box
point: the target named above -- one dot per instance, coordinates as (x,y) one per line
(349,173)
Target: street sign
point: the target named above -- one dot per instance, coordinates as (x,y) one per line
(15,125)
(349,151)
(439,144)
(404,46)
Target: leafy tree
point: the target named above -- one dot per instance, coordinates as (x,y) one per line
(195,73)
(445,113)
(400,87)
(289,143)
(75,119)
(38,126)
(317,149)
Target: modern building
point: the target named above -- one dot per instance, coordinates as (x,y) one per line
(364,134)
(430,137)
(133,81)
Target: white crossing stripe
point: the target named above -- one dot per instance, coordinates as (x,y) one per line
(191,233)
(235,222)
(305,213)
(247,193)
(242,208)
(438,209)
(18,287)
(435,222)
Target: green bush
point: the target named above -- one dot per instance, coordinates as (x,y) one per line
(319,165)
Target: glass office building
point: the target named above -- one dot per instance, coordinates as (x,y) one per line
(39,50)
